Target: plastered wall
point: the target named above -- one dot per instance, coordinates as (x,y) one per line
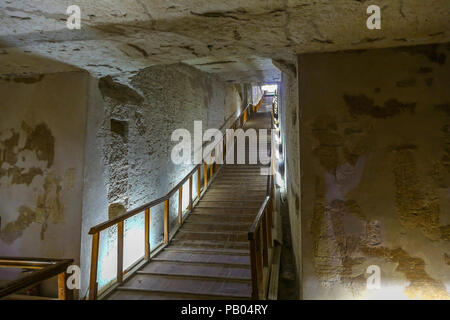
(42,135)
(374,150)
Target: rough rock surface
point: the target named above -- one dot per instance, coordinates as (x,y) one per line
(125,36)
(379,170)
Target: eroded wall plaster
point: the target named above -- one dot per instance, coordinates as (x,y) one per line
(375,172)
(42,135)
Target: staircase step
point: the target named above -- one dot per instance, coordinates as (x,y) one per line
(235,197)
(241,187)
(213,271)
(202,257)
(232,192)
(210,244)
(229,251)
(236,184)
(154,283)
(217,236)
(233,201)
(176,248)
(226,210)
(216,226)
(138,294)
(228,204)
(214,217)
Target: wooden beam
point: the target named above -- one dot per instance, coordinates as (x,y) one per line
(254,270)
(180,205)
(120,232)
(62,288)
(94,267)
(265,252)
(259,263)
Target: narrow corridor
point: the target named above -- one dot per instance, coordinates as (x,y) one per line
(209,258)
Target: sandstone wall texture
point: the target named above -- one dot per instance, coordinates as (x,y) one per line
(125,36)
(289,118)
(375,172)
(129,145)
(42,135)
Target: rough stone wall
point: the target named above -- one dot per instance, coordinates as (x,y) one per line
(289,111)
(42,126)
(129,137)
(375,172)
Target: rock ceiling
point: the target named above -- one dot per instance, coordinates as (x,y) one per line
(235,39)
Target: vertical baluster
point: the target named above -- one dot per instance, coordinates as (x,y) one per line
(120,252)
(147,234)
(190,193)
(211,166)
(166,221)
(62,288)
(224,150)
(199,179)
(94,267)
(254,269)
(259,262)
(264,240)
(205,178)
(269,221)
(180,205)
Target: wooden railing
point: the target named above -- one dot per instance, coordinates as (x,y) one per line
(146,208)
(43,269)
(260,239)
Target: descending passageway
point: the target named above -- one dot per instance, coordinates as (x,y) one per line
(209,257)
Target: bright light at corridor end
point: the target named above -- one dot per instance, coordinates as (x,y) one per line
(269,88)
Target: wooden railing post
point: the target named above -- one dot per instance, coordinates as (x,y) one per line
(259,262)
(166,221)
(63,292)
(211,167)
(120,252)
(224,154)
(147,234)
(190,193)
(199,179)
(94,267)
(180,205)
(254,270)
(265,240)
(205,178)
(269,222)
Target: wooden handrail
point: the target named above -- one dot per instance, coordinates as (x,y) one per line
(104,225)
(46,268)
(119,220)
(260,239)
